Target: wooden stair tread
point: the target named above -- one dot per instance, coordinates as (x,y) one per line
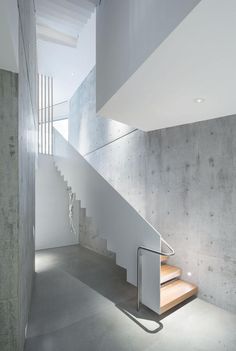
(174,293)
(169,272)
(164,259)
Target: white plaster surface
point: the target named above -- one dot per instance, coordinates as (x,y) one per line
(69,66)
(52,207)
(127,34)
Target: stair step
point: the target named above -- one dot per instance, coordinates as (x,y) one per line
(174,293)
(169,272)
(164,259)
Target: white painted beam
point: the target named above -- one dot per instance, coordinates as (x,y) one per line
(73,9)
(59,26)
(83,3)
(57,9)
(59,22)
(43,10)
(49,34)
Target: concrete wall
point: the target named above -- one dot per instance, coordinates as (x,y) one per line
(182,180)
(9,270)
(82,112)
(105,131)
(52,207)
(9,34)
(17,145)
(128,31)
(27,126)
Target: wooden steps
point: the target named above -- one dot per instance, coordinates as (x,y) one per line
(169,273)
(174,293)
(173,290)
(164,259)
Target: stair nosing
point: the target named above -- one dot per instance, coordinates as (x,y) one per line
(169,277)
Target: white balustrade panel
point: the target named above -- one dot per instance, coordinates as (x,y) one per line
(115,219)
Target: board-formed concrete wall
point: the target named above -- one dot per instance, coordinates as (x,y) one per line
(9,269)
(183,181)
(104,130)
(27,135)
(82,112)
(17,167)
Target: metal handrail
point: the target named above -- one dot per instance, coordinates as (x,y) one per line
(161,253)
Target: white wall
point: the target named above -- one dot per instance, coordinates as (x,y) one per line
(128,31)
(69,66)
(52,215)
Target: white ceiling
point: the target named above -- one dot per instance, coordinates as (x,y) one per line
(197,60)
(69,66)
(9,35)
(61,21)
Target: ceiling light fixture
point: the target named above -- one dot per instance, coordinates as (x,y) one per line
(199,100)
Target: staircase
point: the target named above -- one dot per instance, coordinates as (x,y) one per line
(173,289)
(82,224)
(88,236)
(136,244)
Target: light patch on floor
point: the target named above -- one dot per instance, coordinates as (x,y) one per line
(81,301)
(45,261)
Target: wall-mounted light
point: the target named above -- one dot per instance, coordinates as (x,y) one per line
(199,100)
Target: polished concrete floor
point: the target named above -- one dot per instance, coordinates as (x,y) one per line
(82,302)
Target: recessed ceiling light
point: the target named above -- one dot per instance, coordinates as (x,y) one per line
(73,74)
(199,100)
(189,274)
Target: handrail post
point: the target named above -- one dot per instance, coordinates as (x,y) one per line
(138,280)
(138,264)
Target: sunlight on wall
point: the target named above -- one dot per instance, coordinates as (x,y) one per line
(62,127)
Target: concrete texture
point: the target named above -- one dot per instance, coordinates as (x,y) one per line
(17,157)
(27,127)
(82,112)
(9,270)
(128,31)
(82,302)
(182,180)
